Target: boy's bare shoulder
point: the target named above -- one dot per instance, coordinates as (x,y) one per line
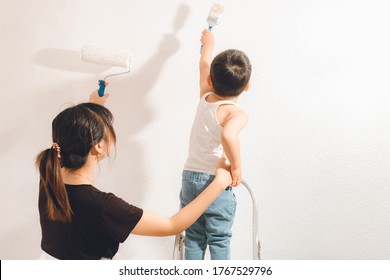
(228,112)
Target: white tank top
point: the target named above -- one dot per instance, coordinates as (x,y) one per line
(205,148)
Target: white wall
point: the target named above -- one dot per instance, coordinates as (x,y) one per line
(316,149)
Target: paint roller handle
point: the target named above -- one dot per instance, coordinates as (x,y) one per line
(102,87)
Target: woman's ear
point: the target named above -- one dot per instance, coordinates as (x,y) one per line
(98,149)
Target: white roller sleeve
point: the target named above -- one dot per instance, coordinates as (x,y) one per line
(113,57)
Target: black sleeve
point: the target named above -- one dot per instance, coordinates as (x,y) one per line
(118,217)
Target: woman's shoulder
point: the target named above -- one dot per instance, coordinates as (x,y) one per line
(86,194)
(90,195)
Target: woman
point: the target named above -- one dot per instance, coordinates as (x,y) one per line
(79,221)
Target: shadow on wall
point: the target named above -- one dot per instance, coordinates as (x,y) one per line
(131,110)
(136,114)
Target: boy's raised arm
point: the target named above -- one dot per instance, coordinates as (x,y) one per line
(206,58)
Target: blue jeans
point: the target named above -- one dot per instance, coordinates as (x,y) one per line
(213,228)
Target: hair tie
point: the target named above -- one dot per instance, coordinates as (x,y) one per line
(57,148)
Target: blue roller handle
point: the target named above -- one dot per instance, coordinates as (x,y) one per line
(102,87)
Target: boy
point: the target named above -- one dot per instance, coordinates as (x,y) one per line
(215,131)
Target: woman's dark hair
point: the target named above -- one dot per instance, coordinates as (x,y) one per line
(76,130)
(230,72)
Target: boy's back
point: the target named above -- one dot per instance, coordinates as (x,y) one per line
(205,149)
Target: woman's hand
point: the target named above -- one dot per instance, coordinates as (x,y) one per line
(223,174)
(95,98)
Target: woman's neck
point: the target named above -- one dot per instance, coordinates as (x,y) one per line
(81,176)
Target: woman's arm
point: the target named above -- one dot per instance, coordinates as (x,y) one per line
(154,224)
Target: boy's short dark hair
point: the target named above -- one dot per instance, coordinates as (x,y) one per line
(230,72)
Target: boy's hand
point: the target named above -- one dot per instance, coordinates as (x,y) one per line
(95,98)
(236,176)
(207,39)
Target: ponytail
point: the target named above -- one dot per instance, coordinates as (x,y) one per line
(49,165)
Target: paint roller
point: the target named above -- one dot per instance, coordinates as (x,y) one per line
(112,57)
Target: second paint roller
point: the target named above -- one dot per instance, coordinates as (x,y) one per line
(112,57)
